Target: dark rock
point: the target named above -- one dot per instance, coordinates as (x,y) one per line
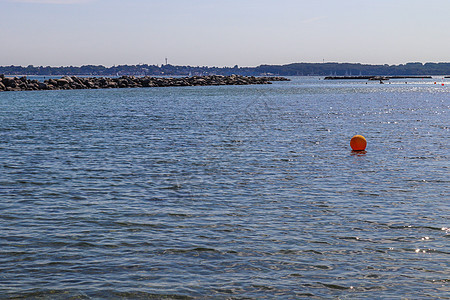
(123,83)
(22,85)
(8,82)
(52,82)
(12,89)
(77,80)
(90,85)
(62,82)
(112,85)
(379,78)
(68,79)
(42,86)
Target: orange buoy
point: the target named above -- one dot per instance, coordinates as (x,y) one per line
(358,143)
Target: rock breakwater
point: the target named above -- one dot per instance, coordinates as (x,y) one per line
(74,82)
(375,77)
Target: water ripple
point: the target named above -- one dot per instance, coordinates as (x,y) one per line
(225,192)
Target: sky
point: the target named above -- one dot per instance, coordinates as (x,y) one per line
(222,33)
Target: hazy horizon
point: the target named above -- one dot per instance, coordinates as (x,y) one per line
(229,66)
(246,33)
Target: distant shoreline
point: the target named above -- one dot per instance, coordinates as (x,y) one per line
(293,69)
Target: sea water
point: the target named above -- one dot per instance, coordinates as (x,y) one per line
(227,191)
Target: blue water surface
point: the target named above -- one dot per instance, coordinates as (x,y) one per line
(227,191)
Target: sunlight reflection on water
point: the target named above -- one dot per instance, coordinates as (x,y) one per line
(226,191)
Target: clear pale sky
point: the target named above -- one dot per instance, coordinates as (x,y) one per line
(222,32)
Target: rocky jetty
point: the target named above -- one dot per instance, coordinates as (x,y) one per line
(374,77)
(75,83)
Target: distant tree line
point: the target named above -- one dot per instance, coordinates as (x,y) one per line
(295,69)
(352,69)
